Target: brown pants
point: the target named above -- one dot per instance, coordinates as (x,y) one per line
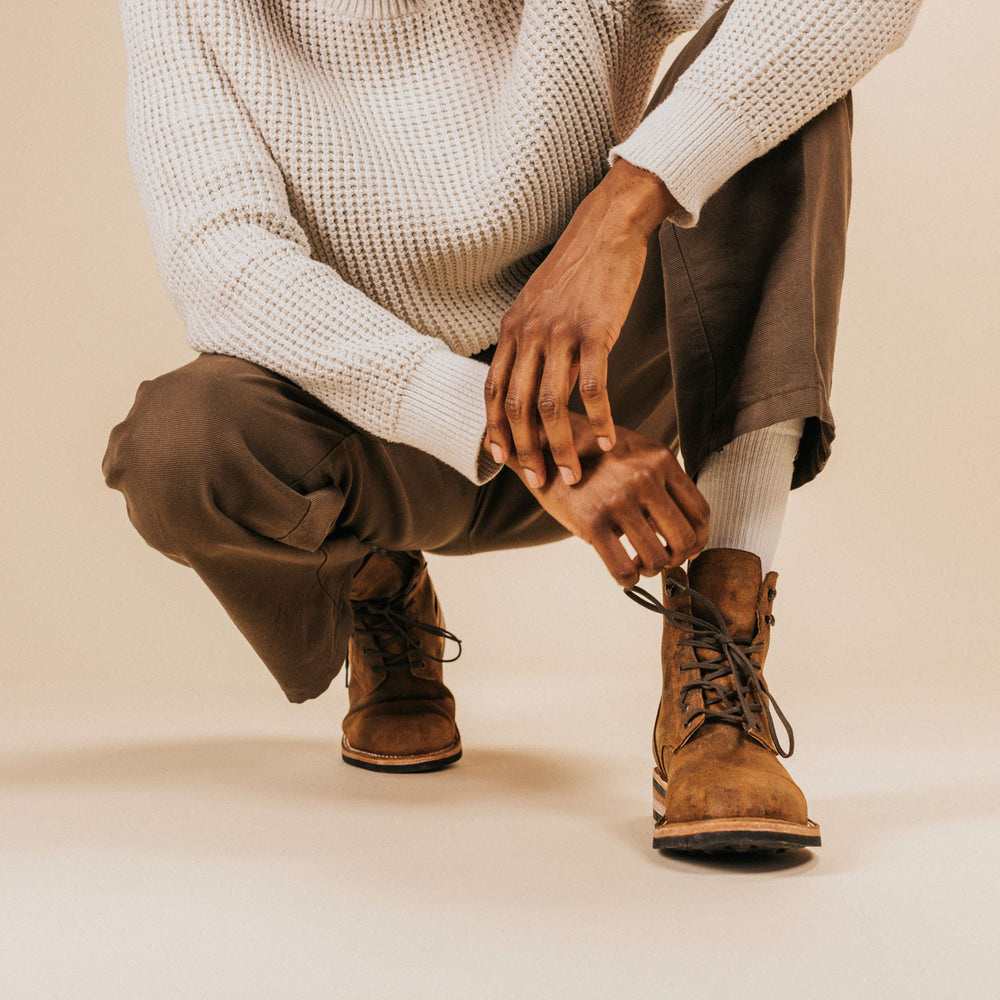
(273,499)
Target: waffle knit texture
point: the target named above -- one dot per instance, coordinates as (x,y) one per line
(352,193)
(746,484)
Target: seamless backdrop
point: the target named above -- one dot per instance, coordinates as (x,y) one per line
(173,828)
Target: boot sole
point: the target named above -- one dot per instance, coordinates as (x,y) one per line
(400,763)
(732,835)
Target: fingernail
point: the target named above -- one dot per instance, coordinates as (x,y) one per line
(533,481)
(604,443)
(497,453)
(567,475)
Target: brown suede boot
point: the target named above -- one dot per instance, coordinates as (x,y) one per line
(718,784)
(401,716)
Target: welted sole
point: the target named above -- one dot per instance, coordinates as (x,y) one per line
(731,835)
(400,763)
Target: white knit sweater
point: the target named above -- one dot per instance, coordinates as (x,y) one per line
(352,193)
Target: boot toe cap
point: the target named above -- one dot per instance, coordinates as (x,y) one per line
(731,789)
(391,732)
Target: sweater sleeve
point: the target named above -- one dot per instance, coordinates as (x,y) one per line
(771,66)
(238,268)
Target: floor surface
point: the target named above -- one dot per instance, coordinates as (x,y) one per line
(173,828)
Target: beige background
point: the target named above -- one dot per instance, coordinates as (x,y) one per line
(172,828)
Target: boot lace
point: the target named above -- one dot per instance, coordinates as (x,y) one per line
(384,619)
(730,681)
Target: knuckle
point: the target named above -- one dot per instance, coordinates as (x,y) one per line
(491,389)
(514,407)
(595,330)
(529,328)
(549,405)
(591,387)
(615,500)
(642,477)
(559,328)
(509,324)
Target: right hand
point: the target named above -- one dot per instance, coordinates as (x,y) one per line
(637,489)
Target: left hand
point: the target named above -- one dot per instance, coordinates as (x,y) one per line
(639,491)
(565,322)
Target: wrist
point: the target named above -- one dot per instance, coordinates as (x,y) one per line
(639,198)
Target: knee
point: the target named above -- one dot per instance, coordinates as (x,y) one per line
(166,455)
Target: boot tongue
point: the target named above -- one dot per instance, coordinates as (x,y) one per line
(730,579)
(382,574)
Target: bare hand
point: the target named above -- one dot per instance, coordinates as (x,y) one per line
(565,322)
(637,489)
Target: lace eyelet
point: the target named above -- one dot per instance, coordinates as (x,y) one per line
(771,593)
(769,619)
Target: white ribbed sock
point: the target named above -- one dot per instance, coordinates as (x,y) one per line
(747,484)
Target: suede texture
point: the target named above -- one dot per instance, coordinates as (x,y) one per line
(404,711)
(714,768)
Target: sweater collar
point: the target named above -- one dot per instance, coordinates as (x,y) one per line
(377,9)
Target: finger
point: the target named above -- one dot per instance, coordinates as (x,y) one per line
(594,393)
(690,501)
(654,527)
(670,522)
(498,435)
(619,563)
(553,405)
(651,556)
(520,407)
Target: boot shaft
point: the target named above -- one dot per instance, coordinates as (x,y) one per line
(700,683)
(399,628)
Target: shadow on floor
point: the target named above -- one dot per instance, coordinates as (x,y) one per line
(246,797)
(307,777)
(286,768)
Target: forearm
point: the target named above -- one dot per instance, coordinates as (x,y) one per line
(768,70)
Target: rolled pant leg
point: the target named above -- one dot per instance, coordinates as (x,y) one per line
(753,291)
(274,501)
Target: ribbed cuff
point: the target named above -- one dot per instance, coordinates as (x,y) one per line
(443,413)
(693,143)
